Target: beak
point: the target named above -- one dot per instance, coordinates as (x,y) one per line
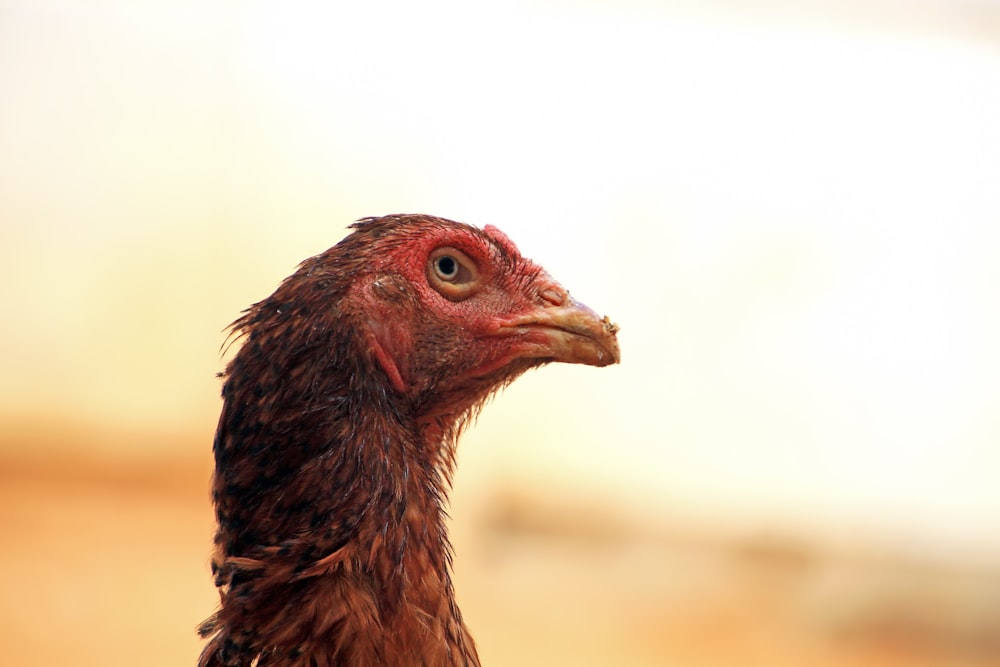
(570,332)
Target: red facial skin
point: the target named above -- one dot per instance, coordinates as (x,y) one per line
(516,315)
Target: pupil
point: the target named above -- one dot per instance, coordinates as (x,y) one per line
(447,265)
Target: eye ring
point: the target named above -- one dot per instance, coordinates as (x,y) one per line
(452,273)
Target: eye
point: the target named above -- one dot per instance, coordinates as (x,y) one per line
(446,267)
(452,273)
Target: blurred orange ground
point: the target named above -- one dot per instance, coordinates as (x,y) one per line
(106,563)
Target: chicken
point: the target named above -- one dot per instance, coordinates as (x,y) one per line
(336,442)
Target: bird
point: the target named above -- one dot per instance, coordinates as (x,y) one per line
(336,441)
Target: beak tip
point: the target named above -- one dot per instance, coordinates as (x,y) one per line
(598,344)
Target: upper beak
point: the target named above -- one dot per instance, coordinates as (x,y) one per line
(570,332)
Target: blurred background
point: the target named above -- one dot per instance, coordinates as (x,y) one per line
(792,208)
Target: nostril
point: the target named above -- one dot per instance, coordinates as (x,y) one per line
(554,294)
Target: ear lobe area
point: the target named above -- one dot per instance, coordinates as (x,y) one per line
(379,342)
(383,332)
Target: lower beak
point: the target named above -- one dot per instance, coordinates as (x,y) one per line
(571,333)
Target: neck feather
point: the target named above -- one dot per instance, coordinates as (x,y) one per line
(332,546)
